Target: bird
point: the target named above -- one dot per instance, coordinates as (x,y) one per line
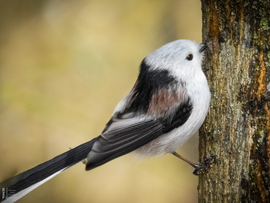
(166,106)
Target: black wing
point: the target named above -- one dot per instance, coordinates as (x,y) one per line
(150,95)
(123,138)
(120,141)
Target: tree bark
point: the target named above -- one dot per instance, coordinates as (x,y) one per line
(237,127)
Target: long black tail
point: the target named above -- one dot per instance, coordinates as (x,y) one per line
(16,187)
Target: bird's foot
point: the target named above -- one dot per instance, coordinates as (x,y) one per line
(205,165)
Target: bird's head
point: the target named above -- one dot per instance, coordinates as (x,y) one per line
(182,58)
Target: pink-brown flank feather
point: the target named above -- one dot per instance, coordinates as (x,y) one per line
(164,99)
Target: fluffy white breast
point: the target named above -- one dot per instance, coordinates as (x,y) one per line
(172,57)
(168,143)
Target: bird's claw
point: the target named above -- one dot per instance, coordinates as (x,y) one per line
(205,165)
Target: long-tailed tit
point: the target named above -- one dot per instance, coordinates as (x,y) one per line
(166,106)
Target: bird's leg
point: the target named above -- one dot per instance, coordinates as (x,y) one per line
(185,160)
(201,167)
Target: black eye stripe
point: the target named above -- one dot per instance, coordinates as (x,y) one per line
(189,57)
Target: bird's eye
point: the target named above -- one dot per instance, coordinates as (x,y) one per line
(189,57)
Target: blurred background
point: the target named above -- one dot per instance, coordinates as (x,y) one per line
(64,65)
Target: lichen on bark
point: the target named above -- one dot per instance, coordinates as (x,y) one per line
(237,127)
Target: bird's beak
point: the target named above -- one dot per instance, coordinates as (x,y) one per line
(203,47)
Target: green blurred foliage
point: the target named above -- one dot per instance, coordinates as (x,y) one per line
(64,65)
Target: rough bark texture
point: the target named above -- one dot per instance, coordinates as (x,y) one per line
(237,127)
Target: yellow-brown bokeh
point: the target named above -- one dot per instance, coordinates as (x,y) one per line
(64,65)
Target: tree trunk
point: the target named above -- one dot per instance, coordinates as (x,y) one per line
(237,127)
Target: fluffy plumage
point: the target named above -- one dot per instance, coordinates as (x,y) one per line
(171,94)
(166,106)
